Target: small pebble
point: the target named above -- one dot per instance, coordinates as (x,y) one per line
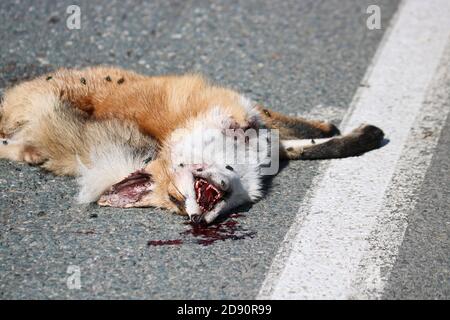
(53,19)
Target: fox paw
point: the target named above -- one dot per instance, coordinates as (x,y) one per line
(362,139)
(32,156)
(370,135)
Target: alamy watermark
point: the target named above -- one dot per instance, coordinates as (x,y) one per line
(73,281)
(257,148)
(73,21)
(373,22)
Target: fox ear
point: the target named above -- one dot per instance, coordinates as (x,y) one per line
(130,192)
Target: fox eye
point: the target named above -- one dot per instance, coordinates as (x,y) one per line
(173,199)
(229,168)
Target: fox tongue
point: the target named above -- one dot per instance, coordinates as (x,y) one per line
(209,194)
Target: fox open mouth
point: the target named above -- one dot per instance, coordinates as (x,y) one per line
(207,195)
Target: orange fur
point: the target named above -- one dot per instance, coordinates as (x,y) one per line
(157,105)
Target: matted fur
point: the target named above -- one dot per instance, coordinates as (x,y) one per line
(100,153)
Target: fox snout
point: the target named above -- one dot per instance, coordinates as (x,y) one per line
(204,188)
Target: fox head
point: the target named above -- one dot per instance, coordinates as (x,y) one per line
(202,191)
(201,171)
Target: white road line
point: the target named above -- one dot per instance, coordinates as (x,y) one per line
(401,195)
(323,251)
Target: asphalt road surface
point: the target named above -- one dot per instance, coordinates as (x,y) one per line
(307,57)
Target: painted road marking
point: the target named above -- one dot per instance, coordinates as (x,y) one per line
(400,197)
(323,253)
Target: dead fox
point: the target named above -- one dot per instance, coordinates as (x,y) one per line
(141,141)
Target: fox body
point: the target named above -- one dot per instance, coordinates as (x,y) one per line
(140,141)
